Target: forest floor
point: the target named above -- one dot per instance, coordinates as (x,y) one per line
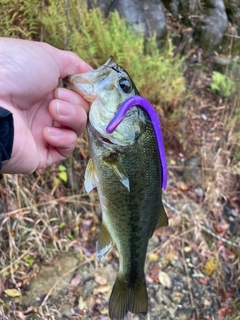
(192,266)
(49,225)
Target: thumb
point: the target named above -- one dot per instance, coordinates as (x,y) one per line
(70,63)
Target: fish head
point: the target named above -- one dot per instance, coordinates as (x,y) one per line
(106,88)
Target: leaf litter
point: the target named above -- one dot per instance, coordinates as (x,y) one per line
(48,267)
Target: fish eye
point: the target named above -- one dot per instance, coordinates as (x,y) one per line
(125,85)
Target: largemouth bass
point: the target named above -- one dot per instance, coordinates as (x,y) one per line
(126,169)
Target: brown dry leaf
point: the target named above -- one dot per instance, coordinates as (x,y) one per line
(164,279)
(221,227)
(76,280)
(175,222)
(20,315)
(172,255)
(104,312)
(183,186)
(13,293)
(100,280)
(154,272)
(31,310)
(203,281)
(102,289)
(90,302)
(81,303)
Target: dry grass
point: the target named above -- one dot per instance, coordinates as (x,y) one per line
(42,216)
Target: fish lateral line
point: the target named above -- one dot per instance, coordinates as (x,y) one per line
(138,101)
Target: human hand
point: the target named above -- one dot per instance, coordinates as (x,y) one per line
(47,120)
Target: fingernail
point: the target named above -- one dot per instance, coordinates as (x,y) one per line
(64,109)
(55,132)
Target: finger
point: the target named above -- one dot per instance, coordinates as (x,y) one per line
(68,115)
(69,63)
(70,96)
(61,142)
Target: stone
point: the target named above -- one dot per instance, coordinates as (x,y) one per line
(212,25)
(146,14)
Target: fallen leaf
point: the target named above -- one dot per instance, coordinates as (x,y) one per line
(100,280)
(19,315)
(154,272)
(81,303)
(183,186)
(164,279)
(210,267)
(13,293)
(101,289)
(104,311)
(153,257)
(75,281)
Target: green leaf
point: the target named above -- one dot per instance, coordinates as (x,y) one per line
(63,176)
(12,293)
(56,181)
(62,168)
(61,225)
(29,260)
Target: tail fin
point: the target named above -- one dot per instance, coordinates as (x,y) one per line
(124,298)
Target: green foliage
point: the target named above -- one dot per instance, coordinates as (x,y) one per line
(29,260)
(19,19)
(70,25)
(227,84)
(62,173)
(222,84)
(157,74)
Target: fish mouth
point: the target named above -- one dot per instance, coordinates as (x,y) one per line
(106,140)
(66,82)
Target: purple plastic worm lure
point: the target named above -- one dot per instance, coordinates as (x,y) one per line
(143,103)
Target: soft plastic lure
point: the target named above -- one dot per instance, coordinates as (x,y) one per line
(143,103)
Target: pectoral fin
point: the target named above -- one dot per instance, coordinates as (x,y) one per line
(90,177)
(118,170)
(162,220)
(104,244)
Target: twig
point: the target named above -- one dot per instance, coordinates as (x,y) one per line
(213,234)
(188,280)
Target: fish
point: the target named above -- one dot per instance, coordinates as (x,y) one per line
(126,169)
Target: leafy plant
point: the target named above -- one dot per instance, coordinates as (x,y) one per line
(19,19)
(223,84)
(158,74)
(62,175)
